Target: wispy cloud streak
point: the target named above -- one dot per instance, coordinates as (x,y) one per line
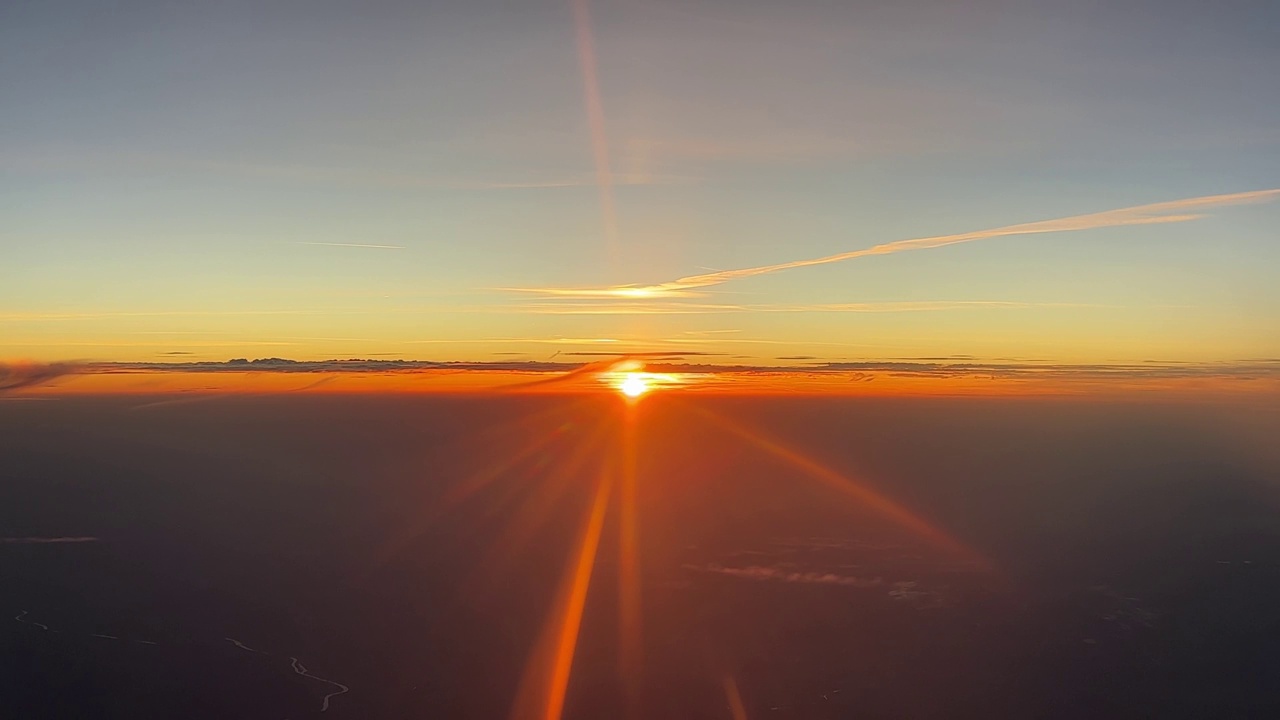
(681,308)
(591,369)
(917,306)
(352,245)
(1164,212)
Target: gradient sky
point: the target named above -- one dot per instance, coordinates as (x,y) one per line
(204,182)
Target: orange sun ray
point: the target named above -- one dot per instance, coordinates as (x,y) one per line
(481,478)
(515,534)
(849,487)
(734,699)
(546,677)
(630,631)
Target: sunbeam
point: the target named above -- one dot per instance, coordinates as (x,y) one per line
(734,699)
(630,628)
(546,676)
(859,492)
(535,510)
(558,417)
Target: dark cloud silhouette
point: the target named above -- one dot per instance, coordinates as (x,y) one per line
(1151,369)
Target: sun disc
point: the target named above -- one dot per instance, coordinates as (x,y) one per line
(633,385)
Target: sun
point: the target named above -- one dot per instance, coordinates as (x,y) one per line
(633,385)
(630,379)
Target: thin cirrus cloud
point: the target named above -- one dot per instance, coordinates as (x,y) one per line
(1163,212)
(672,308)
(380,177)
(93,159)
(917,306)
(550,340)
(352,245)
(598,308)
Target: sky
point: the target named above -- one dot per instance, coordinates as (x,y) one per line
(488,181)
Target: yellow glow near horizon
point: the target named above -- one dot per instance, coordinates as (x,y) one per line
(634,385)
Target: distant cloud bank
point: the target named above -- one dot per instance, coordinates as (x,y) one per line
(693,370)
(673,362)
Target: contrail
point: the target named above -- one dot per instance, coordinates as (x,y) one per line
(587,370)
(353,245)
(15,376)
(1163,212)
(595,119)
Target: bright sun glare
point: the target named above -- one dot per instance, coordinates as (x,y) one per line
(633,385)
